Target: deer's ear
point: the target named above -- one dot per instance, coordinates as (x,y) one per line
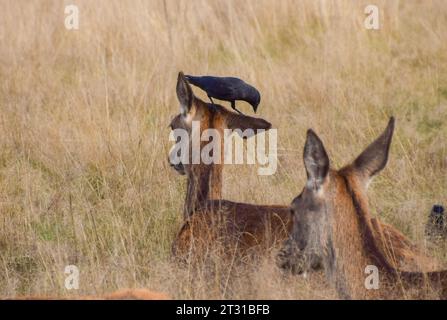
(184,94)
(316,161)
(242,122)
(374,158)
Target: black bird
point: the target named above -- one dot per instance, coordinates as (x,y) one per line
(227,89)
(436,227)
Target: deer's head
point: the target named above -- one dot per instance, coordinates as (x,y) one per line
(327,206)
(207,116)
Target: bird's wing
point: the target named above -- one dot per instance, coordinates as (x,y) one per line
(222,88)
(229,88)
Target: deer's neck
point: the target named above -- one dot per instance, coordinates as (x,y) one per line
(349,259)
(204,183)
(205,180)
(215,182)
(359,251)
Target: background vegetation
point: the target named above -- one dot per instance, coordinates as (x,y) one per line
(84,177)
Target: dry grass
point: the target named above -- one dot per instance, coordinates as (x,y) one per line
(84,140)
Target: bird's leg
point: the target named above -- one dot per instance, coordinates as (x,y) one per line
(233,105)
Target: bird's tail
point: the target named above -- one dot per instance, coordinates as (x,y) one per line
(192,80)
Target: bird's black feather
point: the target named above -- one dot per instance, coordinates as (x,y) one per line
(227,89)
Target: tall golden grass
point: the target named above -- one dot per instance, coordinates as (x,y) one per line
(84,177)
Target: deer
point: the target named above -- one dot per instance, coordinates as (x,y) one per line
(333,230)
(207,217)
(245,227)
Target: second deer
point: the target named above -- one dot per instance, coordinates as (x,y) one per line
(333,229)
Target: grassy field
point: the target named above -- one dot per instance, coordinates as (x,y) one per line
(84,117)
